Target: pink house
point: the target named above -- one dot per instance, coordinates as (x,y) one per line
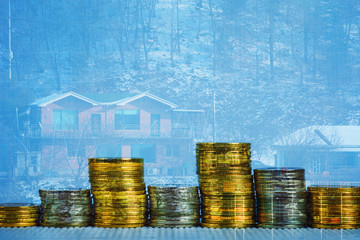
(67,128)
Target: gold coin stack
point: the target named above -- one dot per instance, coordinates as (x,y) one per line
(19,215)
(66,208)
(119,192)
(174,206)
(334,207)
(226,185)
(280,197)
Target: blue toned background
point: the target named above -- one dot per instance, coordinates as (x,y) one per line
(150,78)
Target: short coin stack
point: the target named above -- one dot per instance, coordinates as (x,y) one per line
(119,192)
(66,208)
(18,215)
(334,207)
(281,197)
(174,206)
(226,185)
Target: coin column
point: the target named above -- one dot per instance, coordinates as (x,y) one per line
(19,215)
(334,207)
(280,197)
(66,208)
(226,185)
(119,192)
(174,206)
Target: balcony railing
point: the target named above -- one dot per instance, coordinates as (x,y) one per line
(48,131)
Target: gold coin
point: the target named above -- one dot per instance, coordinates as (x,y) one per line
(115,160)
(26,207)
(120,221)
(19,224)
(114,211)
(227,225)
(18,216)
(104,225)
(334,226)
(120,197)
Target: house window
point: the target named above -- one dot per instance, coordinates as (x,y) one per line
(65,119)
(145,151)
(108,150)
(128,119)
(172,150)
(155,124)
(5,165)
(96,123)
(73,150)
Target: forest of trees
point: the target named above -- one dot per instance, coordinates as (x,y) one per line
(274,66)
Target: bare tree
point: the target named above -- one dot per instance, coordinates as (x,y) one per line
(213,32)
(174,39)
(145,14)
(199,7)
(271,38)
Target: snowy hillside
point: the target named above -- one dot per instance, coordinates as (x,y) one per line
(273,66)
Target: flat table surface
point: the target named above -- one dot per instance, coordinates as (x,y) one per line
(94,233)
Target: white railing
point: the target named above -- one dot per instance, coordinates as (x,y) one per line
(128,131)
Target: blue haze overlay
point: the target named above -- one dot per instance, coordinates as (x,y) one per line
(151,78)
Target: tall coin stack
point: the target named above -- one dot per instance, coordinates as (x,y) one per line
(334,207)
(66,208)
(174,206)
(226,185)
(281,197)
(19,215)
(119,192)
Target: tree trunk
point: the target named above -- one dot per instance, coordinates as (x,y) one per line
(177,26)
(213,33)
(271,39)
(199,18)
(172,35)
(306,29)
(315,40)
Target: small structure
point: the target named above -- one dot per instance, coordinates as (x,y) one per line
(67,128)
(326,152)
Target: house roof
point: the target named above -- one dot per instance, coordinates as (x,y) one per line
(42,102)
(331,136)
(108,97)
(145,94)
(101,99)
(189,110)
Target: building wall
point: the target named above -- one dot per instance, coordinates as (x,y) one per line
(321,163)
(57,157)
(107,113)
(65,158)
